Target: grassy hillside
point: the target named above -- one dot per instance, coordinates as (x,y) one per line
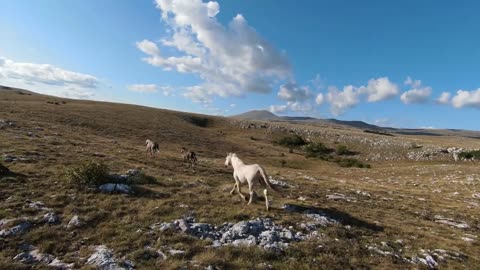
(390,216)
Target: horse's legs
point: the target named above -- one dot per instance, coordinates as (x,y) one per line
(239,190)
(233,189)
(266,199)
(250,189)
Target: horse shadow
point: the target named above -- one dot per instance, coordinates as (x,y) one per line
(335,214)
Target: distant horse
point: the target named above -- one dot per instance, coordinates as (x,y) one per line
(152,147)
(189,156)
(248,173)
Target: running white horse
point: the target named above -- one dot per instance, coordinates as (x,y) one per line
(252,174)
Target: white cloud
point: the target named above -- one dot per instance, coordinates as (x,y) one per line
(298,99)
(340,101)
(230,60)
(198,94)
(292,92)
(31,73)
(143,88)
(376,90)
(48,79)
(444,98)
(319,99)
(418,93)
(465,98)
(413,83)
(233,105)
(379,89)
(383,122)
(278,108)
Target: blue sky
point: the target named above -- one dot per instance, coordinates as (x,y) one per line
(384,62)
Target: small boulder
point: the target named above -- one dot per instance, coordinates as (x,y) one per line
(51,218)
(115,188)
(75,222)
(19,229)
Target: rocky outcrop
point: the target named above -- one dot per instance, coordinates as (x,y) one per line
(104,259)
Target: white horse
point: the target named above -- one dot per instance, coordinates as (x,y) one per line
(252,174)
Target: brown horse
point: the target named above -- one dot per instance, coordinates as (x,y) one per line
(189,156)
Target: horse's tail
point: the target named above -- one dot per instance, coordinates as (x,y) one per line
(194,157)
(156,147)
(267,182)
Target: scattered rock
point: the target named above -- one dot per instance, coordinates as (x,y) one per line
(104,259)
(51,218)
(340,197)
(6,123)
(18,229)
(176,252)
(280,183)
(451,222)
(38,206)
(115,188)
(75,222)
(9,158)
(260,232)
(31,255)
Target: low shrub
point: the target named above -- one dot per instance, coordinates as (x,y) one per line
(317,149)
(351,162)
(291,141)
(470,155)
(87,174)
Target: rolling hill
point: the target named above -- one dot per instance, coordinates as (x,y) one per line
(414,205)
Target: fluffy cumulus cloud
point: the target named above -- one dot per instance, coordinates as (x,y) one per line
(143,88)
(340,101)
(379,89)
(294,93)
(444,98)
(418,93)
(47,79)
(279,108)
(230,60)
(298,99)
(465,98)
(376,90)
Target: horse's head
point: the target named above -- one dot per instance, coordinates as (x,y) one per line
(228,159)
(147,141)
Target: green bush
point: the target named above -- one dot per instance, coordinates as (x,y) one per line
(318,150)
(291,141)
(470,154)
(342,150)
(87,174)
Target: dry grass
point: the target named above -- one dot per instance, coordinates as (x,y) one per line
(404,195)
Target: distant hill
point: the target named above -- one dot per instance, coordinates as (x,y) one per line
(263,115)
(258,115)
(355,124)
(18,90)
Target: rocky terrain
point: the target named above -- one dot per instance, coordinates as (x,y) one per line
(417,207)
